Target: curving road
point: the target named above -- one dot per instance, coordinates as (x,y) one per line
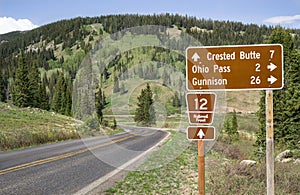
(68,167)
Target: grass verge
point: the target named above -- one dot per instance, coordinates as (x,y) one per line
(169,170)
(224,175)
(23,127)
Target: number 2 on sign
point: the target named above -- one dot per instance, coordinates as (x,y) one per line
(203,103)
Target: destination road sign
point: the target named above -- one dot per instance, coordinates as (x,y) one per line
(201,133)
(201,107)
(234,67)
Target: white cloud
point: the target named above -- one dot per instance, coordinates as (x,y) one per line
(9,24)
(283,19)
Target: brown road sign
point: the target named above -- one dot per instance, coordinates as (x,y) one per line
(201,107)
(201,133)
(234,67)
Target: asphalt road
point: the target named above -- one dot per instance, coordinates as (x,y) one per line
(67,167)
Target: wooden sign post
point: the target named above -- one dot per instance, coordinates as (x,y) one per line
(201,168)
(269,142)
(237,67)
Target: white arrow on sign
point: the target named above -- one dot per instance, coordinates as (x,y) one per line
(271,66)
(200,134)
(272,79)
(195,57)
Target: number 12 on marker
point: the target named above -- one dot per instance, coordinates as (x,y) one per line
(201,107)
(202,102)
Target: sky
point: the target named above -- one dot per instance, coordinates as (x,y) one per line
(28,14)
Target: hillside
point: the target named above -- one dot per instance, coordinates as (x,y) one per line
(61,46)
(22,127)
(61,66)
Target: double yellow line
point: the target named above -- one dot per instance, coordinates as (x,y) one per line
(55,158)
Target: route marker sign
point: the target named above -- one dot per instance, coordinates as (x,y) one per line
(236,67)
(201,107)
(204,133)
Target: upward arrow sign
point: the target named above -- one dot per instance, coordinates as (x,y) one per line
(200,134)
(195,57)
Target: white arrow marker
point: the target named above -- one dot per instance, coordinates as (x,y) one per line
(271,66)
(200,134)
(195,57)
(272,80)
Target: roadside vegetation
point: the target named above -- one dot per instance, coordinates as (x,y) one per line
(41,88)
(23,127)
(223,172)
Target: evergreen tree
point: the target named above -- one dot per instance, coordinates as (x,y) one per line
(234,123)
(103,99)
(114,123)
(68,109)
(227,125)
(230,127)
(2,89)
(145,113)
(176,100)
(122,88)
(59,98)
(116,85)
(34,82)
(166,78)
(105,74)
(286,106)
(21,93)
(99,104)
(43,98)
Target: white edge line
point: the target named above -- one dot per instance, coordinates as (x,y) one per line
(104,178)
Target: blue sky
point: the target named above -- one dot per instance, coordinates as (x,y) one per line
(40,12)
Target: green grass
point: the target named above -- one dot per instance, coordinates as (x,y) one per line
(248,122)
(22,127)
(170,170)
(243,101)
(223,174)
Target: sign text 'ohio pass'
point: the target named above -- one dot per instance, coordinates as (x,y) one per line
(235,67)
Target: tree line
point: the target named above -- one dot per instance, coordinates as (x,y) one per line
(37,77)
(286,102)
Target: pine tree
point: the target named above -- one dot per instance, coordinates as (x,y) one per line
(34,82)
(43,97)
(105,74)
(286,106)
(21,93)
(227,125)
(59,98)
(176,100)
(103,99)
(166,78)
(122,88)
(68,109)
(116,85)
(2,89)
(234,123)
(145,113)
(114,123)
(99,104)
(230,127)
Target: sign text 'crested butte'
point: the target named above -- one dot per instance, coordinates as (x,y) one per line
(235,67)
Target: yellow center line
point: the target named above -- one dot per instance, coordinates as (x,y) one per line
(54,158)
